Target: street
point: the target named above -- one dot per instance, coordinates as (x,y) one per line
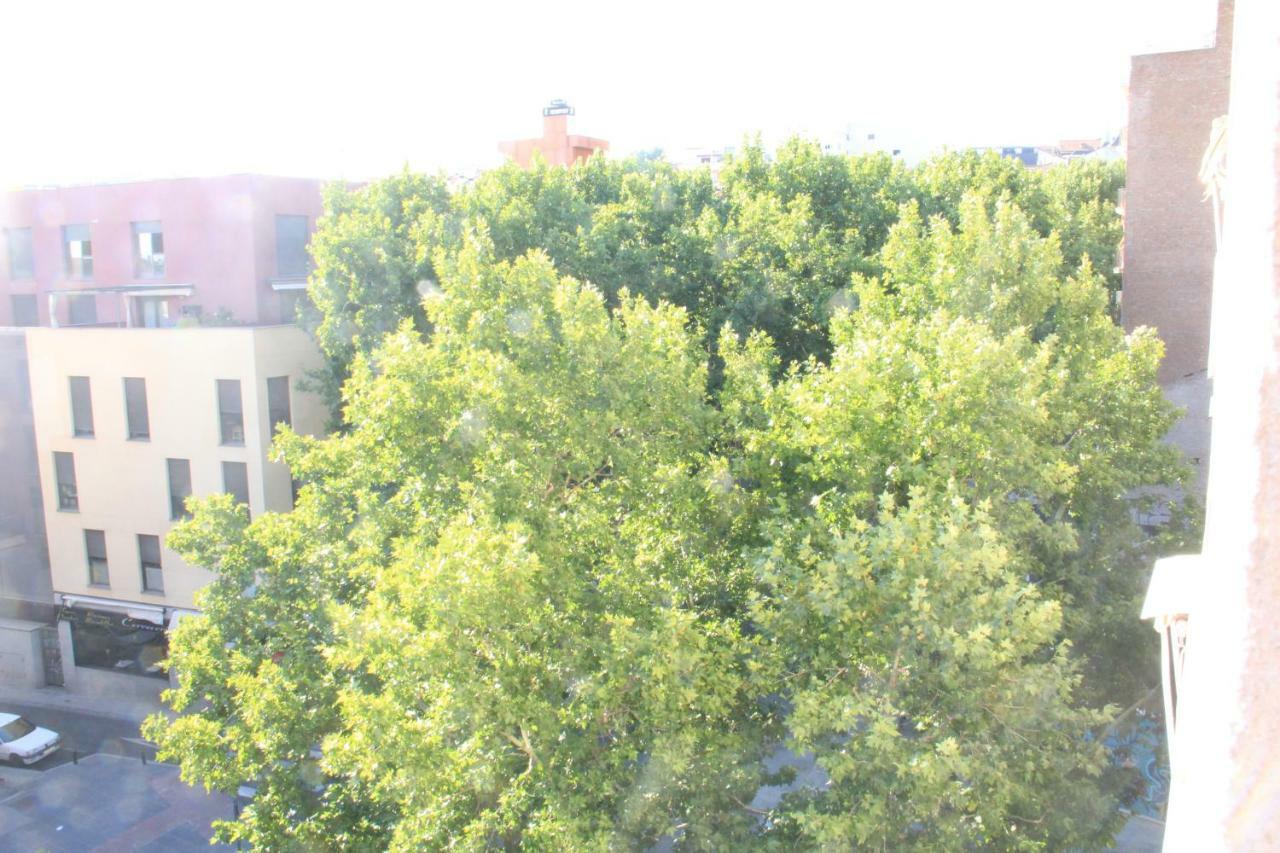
(82,734)
(98,793)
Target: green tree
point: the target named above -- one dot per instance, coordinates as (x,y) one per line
(373,260)
(526,626)
(544,593)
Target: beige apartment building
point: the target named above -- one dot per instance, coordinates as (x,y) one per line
(128,423)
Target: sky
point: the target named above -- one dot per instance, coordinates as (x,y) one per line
(109,91)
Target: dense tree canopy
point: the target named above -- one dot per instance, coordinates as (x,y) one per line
(645,485)
(771,249)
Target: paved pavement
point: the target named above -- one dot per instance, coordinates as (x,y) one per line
(97,793)
(110,803)
(117,707)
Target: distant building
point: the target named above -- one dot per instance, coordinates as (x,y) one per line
(712,159)
(859,140)
(556,145)
(153,253)
(1169,239)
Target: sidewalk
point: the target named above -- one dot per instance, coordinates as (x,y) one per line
(128,709)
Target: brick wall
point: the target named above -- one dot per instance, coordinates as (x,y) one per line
(1169,235)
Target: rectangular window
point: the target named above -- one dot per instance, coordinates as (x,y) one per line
(294,305)
(135,408)
(64,465)
(95,546)
(81,407)
(235,481)
(77,251)
(291,247)
(179,487)
(25,310)
(230,411)
(148,250)
(82,310)
(149,557)
(278,401)
(21,265)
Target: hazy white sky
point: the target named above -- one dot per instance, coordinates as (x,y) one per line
(117,90)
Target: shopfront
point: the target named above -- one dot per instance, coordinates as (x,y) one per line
(128,642)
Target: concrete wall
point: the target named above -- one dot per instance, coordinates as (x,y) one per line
(25,589)
(123,484)
(219,237)
(21,664)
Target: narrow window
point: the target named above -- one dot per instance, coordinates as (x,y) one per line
(82,310)
(179,487)
(235,481)
(278,401)
(148,250)
(77,251)
(149,557)
(291,247)
(135,408)
(81,407)
(25,311)
(64,465)
(230,411)
(21,266)
(95,546)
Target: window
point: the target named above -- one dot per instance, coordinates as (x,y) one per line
(151,312)
(82,310)
(278,401)
(135,409)
(123,644)
(95,546)
(230,411)
(77,251)
(64,465)
(291,247)
(25,311)
(81,407)
(179,487)
(294,305)
(235,481)
(149,557)
(20,258)
(148,250)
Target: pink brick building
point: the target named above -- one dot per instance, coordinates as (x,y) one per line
(557,146)
(156,253)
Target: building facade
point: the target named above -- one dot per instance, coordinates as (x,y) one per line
(128,424)
(153,350)
(157,253)
(556,146)
(1169,241)
(1217,609)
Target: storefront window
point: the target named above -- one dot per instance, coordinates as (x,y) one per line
(115,641)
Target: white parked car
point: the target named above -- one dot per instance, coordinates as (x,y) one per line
(23,742)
